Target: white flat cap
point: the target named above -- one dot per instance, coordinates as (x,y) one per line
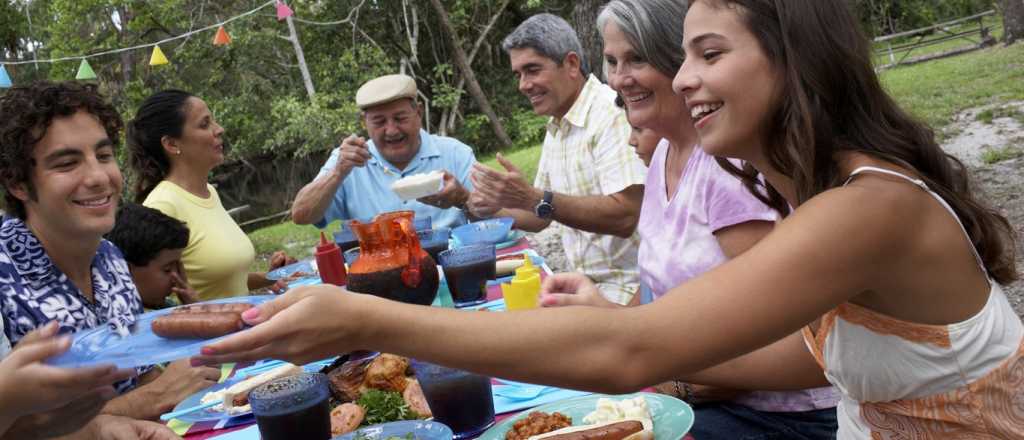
(385,89)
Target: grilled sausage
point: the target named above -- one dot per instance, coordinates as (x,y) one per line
(346,418)
(214,308)
(611,431)
(196,325)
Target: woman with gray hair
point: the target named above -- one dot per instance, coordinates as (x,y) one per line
(695,216)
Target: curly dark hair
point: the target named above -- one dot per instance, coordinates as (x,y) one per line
(142,232)
(162,114)
(26,112)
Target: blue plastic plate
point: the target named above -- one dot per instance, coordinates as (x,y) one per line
(291,269)
(420,429)
(101,345)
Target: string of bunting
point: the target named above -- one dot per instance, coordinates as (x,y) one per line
(157,57)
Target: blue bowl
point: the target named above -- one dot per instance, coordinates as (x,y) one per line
(492,231)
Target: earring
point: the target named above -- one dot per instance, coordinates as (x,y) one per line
(178,152)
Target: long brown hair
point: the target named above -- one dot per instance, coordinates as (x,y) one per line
(832,101)
(161,114)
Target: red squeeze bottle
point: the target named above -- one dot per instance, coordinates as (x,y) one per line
(329,262)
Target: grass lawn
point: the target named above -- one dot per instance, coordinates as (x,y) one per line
(934,91)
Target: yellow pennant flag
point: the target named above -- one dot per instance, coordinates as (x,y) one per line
(158,57)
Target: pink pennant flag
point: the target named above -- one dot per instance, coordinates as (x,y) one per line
(283,11)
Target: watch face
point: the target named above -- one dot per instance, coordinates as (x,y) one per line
(544,210)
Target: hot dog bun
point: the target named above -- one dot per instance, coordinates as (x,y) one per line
(238,394)
(629,429)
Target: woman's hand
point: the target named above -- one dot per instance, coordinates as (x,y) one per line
(280,259)
(572,289)
(306,324)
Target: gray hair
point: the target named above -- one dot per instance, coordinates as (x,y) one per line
(550,35)
(653,27)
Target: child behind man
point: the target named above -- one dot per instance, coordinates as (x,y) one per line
(152,243)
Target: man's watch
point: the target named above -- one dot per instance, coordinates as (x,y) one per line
(545,209)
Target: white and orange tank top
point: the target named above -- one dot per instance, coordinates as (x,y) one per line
(909,381)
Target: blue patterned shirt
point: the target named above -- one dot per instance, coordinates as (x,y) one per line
(33,291)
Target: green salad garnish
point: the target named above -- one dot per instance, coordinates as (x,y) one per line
(383,407)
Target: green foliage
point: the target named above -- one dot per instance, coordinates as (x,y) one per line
(991,114)
(384,406)
(995,155)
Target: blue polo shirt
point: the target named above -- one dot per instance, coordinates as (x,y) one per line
(366,191)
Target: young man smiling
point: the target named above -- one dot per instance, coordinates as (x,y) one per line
(62,185)
(589,180)
(355,183)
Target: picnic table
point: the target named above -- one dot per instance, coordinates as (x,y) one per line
(206,430)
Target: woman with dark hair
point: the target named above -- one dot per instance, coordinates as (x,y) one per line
(174,142)
(888,269)
(695,216)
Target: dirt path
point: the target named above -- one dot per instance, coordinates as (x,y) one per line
(973,133)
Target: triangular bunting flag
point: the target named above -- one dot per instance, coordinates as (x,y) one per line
(85,71)
(222,38)
(283,11)
(5,81)
(158,57)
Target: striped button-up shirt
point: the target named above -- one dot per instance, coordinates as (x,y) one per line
(587,153)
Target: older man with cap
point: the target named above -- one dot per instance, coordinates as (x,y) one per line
(355,183)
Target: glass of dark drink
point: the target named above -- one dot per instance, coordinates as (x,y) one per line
(293,407)
(351,255)
(459,399)
(434,241)
(467,270)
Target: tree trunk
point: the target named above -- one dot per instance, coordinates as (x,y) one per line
(1013,20)
(467,72)
(584,20)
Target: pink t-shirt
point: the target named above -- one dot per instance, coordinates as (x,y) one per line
(677,242)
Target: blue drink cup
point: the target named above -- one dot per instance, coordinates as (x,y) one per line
(434,241)
(351,255)
(293,407)
(422,223)
(459,399)
(467,269)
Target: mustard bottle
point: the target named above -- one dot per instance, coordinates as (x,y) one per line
(524,290)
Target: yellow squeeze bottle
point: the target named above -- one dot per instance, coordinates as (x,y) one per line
(524,290)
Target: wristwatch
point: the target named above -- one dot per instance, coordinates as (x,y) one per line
(545,209)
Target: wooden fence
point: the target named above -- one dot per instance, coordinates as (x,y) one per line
(899,46)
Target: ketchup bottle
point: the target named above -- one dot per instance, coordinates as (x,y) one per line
(329,262)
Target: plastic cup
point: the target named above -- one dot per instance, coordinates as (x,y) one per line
(467,269)
(351,255)
(422,223)
(434,241)
(293,407)
(459,399)
(346,239)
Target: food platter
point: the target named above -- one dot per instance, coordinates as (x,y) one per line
(284,272)
(102,345)
(672,417)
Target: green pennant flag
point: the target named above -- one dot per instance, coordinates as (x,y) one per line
(85,71)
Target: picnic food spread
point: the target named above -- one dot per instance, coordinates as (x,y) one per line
(374,390)
(200,321)
(627,419)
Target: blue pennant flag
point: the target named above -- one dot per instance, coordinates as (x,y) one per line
(5,80)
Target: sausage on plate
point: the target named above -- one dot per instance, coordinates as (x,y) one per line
(197,325)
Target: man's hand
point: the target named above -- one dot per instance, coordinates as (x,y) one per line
(504,189)
(29,386)
(108,427)
(452,194)
(280,259)
(176,383)
(481,207)
(352,153)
